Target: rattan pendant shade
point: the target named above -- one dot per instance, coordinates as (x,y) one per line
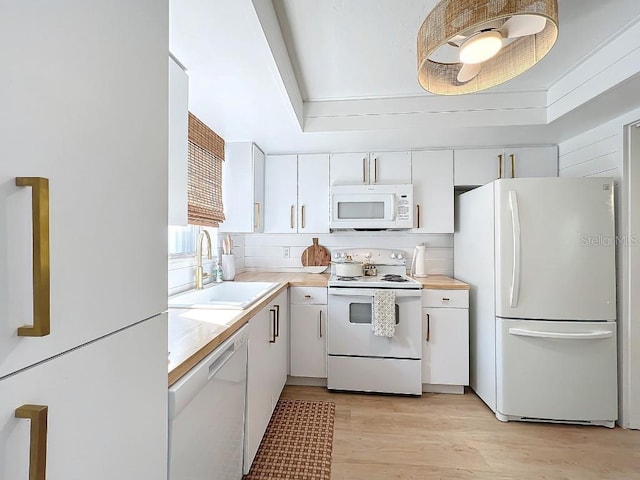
(451,18)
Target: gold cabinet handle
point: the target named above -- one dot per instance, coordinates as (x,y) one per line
(428,326)
(256,224)
(513,165)
(320,322)
(272,314)
(303,217)
(364,170)
(500,166)
(291,214)
(418,215)
(277,309)
(375,170)
(41,277)
(38,442)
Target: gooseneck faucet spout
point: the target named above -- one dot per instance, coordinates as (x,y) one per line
(200,275)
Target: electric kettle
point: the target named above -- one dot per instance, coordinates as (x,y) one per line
(418,268)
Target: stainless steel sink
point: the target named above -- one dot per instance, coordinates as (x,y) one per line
(227,295)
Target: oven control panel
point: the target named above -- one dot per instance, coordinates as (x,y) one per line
(375,256)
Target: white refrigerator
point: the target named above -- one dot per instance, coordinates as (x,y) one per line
(539,254)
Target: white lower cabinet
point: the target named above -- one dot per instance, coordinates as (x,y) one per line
(308,332)
(445,347)
(107,410)
(266,371)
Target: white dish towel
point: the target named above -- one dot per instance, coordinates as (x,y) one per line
(383,312)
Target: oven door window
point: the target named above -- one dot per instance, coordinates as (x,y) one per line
(360,313)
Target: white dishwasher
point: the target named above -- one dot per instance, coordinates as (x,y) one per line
(206,415)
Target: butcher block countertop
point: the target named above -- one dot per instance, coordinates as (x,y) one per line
(195,333)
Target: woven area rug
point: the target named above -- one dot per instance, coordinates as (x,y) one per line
(297,444)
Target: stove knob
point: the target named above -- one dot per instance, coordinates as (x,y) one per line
(399,256)
(393,255)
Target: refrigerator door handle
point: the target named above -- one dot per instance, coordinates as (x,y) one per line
(521,332)
(515,273)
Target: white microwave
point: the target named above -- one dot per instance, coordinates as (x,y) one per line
(371,207)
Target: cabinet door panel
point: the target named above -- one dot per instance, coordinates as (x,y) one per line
(280,349)
(309,341)
(107,405)
(532,162)
(258,189)
(280,183)
(178,141)
(349,168)
(432,178)
(445,356)
(390,168)
(102,142)
(475,167)
(313,193)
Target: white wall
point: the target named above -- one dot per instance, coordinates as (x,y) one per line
(265,251)
(601,152)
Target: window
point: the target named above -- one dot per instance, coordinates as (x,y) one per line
(182,240)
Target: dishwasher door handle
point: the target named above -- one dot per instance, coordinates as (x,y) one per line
(218,363)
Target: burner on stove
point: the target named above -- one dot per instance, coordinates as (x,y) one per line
(394,278)
(347,279)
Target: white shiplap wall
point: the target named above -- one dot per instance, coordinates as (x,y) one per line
(264,252)
(601,152)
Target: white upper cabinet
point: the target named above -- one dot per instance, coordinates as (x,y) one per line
(297,193)
(243,188)
(387,168)
(178,143)
(531,162)
(474,167)
(432,180)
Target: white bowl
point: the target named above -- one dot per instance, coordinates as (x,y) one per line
(315,269)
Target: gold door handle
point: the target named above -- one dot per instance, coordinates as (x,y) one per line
(292,210)
(364,170)
(41,276)
(38,439)
(303,217)
(500,166)
(375,170)
(320,322)
(513,165)
(428,326)
(418,215)
(277,309)
(256,224)
(272,314)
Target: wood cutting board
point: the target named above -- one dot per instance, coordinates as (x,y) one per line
(315,257)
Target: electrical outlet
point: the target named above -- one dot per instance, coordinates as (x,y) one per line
(285,252)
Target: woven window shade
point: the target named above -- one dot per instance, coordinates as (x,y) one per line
(206,154)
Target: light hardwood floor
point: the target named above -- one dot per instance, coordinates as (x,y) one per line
(442,436)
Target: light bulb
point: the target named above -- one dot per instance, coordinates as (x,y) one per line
(481,47)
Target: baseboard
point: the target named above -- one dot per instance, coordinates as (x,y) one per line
(307,381)
(433,388)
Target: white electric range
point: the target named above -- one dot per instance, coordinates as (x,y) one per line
(357,359)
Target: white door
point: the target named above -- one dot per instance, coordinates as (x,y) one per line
(259,368)
(99,135)
(279,349)
(445,351)
(557,370)
(478,166)
(390,168)
(349,168)
(432,178)
(309,341)
(280,194)
(258,189)
(531,162)
(313,193)
(556,244)
(107,409)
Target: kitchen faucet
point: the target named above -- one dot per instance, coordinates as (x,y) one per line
(200,275)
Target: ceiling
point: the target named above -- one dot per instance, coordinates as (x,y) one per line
(340,75)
